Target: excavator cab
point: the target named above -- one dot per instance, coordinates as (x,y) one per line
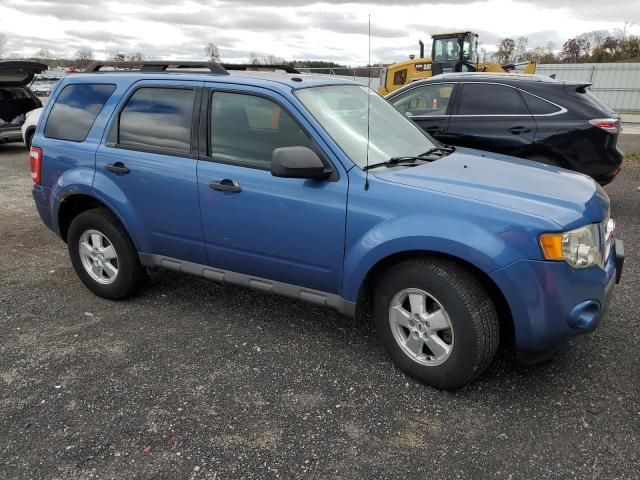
(454,52)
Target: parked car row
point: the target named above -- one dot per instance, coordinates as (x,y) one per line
(319,189)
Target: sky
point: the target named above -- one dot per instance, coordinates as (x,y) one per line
(333,30)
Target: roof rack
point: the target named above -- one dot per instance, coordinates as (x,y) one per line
(159,66)
(252,67)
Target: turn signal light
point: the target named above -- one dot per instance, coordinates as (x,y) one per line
(551,244)
(35,158)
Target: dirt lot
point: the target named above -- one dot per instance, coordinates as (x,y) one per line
(197,380)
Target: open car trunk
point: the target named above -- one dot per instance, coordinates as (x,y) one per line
(15,102)
(15,97)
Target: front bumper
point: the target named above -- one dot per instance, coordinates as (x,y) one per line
(551,302)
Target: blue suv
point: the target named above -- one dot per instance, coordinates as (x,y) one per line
(318,189)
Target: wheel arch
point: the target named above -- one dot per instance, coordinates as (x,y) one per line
(75,204)
(364,302)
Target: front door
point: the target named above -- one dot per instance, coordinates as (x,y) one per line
(283,229)
(429,106)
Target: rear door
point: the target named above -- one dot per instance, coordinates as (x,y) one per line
(429,106)
(148,166)
(491,117)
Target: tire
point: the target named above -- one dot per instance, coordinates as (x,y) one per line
(454,298)
(101,230)
(29,139)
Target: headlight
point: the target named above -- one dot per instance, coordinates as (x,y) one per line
(579,247)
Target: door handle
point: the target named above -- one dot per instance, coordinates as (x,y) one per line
(434,130)
(117,167)
(519,130)
(226,186)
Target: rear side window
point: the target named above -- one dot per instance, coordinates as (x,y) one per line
(157,119)
(538,106)
(75,110)
(490,99)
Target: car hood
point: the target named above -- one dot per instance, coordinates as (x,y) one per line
(18,72)
(570,199)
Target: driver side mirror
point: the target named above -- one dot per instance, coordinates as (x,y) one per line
(297,162)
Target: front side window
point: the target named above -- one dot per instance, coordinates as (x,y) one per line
(342,112)
(75,110)
(490,99)
(157,119)
(428,100)
(470,49)
(246,129)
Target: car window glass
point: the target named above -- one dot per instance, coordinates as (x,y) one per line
(75,110)
(428,100)
(158,119)
(490,99)
(538,106)
(246,129)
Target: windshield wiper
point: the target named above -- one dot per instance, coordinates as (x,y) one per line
(409,159)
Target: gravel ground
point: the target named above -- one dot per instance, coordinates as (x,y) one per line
(196,380)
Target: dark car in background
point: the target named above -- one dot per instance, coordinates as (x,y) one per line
(16,98)
(529,116)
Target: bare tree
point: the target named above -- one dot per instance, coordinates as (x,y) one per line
(44,54)
(212,52)
(84,57)
(506,47)
(520,51)
(3,41)
(135,57)
(117,57)
(253,58)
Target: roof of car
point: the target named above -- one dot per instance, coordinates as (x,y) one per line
(491,76)
(275,80)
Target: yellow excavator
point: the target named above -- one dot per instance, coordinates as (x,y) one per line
(450,52)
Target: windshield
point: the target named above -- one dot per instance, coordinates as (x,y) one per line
(342,112)
(446,49)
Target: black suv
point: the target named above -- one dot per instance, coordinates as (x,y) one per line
(16,99)
(527,116)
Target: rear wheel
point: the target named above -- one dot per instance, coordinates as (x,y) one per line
(103,255)
(29,139)
(436,321)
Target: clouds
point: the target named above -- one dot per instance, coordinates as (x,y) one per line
(331,30)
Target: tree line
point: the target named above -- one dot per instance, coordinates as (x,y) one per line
(597,46)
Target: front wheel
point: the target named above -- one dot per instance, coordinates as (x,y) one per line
(436,321)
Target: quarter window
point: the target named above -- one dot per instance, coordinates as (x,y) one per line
(490,99)
(538,106)
(157,119)
(246,129)
(428,100)
(75,110)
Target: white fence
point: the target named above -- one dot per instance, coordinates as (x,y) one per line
(616,84)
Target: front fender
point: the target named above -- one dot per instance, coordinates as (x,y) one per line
(473,243)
